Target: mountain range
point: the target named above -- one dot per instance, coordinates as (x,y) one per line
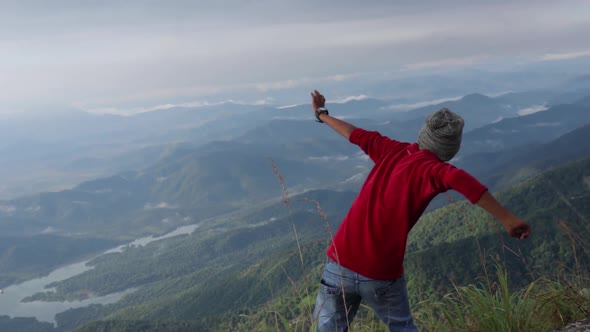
(213,166)
(243,266)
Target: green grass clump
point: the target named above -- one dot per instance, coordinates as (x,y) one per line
(491,306)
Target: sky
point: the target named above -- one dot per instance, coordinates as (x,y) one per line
(133,55)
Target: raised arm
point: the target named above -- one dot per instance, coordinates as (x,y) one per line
(341,127)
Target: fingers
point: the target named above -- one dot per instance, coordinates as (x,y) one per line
(317,95)
(317,100)
(523,233)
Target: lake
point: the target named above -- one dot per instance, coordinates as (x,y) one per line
(10,300)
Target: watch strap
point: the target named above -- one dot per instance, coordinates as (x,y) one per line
(319,111)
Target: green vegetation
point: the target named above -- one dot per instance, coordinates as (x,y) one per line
(244,271)
(23,258)
(144,326)
(251,278)
(492,306)
(507,168)
(185,187)
(24,325)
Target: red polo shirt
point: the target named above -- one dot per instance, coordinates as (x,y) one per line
(372,238)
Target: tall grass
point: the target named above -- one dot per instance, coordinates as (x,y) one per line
(541,306)
(305,293)
(488,306)
(311,323)
(546,303)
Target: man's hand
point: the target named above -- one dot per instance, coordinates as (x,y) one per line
(518,228)
(317,101)
(341,127)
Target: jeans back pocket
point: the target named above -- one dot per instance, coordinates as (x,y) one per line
(328,289)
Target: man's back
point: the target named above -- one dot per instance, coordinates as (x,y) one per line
(405,179)
(368,249)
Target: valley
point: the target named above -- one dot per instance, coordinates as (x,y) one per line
(206,219)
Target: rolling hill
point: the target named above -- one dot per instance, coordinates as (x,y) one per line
(243,266)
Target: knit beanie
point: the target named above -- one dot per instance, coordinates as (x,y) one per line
(441,134)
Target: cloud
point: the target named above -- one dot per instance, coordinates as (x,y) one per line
(407,107)
(161,205)
(350,98)
(280,85)
(7,209)
(263,101)
(129,54)
(293,83)
(138,110)
(48,230)
(532,109)
(288,106)
(357,178)
(33,209)
(329,158)
(197,104)
(496,130)
(362,156)
(565,56)
(449,62)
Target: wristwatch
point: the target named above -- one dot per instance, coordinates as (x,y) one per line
(321,110)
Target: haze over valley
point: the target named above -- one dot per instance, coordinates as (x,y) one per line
(161,190)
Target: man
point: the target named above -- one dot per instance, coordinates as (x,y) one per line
(365,258)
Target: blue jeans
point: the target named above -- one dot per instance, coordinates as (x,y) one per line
(341,292)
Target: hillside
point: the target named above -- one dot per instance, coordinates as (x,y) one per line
(502,169)
(551,202)
(228,189)
(448,242)
(538,127)
(190,185)
(196,185)
(40,152)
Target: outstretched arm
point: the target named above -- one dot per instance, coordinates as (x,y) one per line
(341,127)
(514,226)
(450,177)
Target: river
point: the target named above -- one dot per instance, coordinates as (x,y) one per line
(10,299)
